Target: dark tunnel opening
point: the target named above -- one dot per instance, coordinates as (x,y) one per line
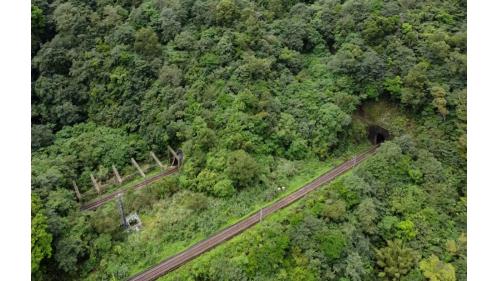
(377,134)
(379,139)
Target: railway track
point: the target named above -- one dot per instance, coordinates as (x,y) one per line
(197,249)
(95,204)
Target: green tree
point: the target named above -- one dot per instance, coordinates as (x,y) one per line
(224,188)
(113,16)
(71,19)
(436,45)
(41,135)
(291,59)
(393,85)
(206,180)
(242,169)
(347,60)
(107,221)
(335,211)
(170,24)
(253,68)
(226,270)
(41,239)
(406,230)
(297,35)
(330,120)
(415,85)
(146,42)
(37,18)
(437,270)
(99,247)
(377,27)
(332,244)
(267,251)
(73,245)
(170,75)
(439,101)
(226,11)
(57,98)
(38,26)
(367,216)
(395,260)
(80,149)
(355,269)
(61,201)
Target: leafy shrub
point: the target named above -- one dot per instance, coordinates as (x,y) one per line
(242,168)
(224,188)
(195,201)
(332,244)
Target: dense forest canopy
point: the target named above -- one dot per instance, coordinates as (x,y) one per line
(242,87)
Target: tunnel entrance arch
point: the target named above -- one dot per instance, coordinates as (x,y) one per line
(377,134)
(177,161)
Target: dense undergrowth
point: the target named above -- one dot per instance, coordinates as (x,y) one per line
(401,215)
(174,219)
(253,92)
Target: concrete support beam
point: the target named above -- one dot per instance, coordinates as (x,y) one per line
(77,191)
(138,167)
(117,175)
(175,156)
(156,160)
(96,184)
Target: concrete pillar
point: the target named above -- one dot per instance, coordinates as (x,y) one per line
(117,175)
(78,195)
(96,184)
(156,160)
(138,167)
(175,157)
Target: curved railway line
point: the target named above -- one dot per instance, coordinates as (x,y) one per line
(197,249)
(93,205)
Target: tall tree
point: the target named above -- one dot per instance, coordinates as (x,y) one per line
(41,239)
(395,260)
(436,270)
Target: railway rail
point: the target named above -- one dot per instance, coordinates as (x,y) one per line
(199,248)
(108,197)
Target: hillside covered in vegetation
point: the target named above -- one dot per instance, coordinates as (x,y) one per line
(259,95)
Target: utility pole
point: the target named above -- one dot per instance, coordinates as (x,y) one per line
(138,167)
(78,195)
(117,175)
(121,210)
(96,184)
(156,160)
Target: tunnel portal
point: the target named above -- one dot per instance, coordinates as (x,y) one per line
(178,161)
(377,134)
